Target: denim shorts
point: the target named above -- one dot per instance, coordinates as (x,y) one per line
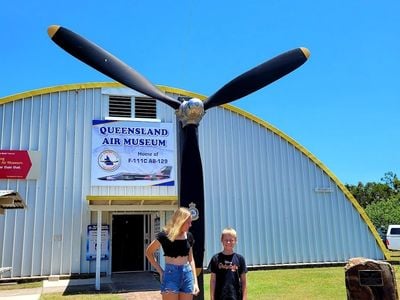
(177,279)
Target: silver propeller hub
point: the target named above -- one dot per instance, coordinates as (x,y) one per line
(191,111)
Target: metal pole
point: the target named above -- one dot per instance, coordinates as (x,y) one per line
(98,250)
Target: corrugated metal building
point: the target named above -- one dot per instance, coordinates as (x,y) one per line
(287,207)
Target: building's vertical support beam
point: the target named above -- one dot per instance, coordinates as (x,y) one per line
(98,250)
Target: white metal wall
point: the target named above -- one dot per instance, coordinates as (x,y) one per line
(255,181)
(285,208)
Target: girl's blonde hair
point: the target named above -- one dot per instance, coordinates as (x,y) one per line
(174,224)
(229,231)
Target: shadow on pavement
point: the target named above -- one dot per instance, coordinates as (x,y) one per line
(116,284)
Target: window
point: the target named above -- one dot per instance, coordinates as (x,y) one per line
(145,108)
(121,107)
(395,230)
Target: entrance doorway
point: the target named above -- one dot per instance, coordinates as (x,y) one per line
(128,244)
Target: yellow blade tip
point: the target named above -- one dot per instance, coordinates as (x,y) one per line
(52,30)
(306,52)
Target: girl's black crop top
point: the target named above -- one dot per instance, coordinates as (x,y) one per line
(177,247)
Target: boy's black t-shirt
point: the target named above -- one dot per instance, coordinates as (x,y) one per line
(227,269)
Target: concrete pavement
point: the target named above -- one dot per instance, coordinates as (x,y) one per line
(137,285)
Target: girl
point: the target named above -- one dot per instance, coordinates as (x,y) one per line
(178,279)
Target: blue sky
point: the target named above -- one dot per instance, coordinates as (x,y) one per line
(342,105)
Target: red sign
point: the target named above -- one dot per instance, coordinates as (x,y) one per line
(14,164)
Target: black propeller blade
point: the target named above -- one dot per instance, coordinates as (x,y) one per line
(258,77)
(191,188)
(106,63)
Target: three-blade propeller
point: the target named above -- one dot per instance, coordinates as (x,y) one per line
(190,112)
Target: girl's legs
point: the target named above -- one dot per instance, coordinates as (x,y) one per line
(183,296)
(170,296)
(180,296)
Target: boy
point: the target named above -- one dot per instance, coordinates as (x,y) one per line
(228,270)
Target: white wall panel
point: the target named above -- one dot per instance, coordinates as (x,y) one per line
(36,240)
(262,185)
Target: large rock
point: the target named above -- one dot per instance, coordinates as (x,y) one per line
(368,279)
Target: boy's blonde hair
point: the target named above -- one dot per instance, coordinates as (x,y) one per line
(229,231)
(174,224)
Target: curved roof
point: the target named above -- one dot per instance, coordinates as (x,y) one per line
(230,107)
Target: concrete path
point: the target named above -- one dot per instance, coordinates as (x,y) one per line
(138,285)
(22,294)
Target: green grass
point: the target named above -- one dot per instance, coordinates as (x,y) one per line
(307,283)
(14,286)
(315,283)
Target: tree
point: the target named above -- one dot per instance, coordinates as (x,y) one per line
(381,200)
(383,213)
(391,180)
(371,192)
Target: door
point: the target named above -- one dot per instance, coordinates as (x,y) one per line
(127,243)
